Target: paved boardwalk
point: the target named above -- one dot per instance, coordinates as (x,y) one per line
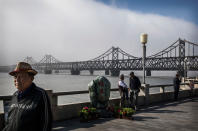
(173,116)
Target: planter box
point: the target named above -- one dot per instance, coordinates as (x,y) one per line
(90,118)
(128,117)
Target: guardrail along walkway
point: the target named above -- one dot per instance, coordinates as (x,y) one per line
(179,115)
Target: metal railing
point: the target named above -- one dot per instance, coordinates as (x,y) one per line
(54,96)
(162,87)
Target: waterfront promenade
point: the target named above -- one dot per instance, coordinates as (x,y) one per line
(181,115)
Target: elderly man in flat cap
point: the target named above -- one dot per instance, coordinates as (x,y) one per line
(30,108)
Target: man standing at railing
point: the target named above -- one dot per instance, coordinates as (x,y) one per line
(30,108)
(176,83)
(134,84)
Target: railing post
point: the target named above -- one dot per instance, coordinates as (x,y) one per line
(1,106)
(146,93)
(162,89)
(53,98)
(54,101)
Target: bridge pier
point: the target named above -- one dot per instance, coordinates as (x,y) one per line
(56,71)
(148,72)
(106,72)
(91,72)
(75,72)
(48,71)
(115,72)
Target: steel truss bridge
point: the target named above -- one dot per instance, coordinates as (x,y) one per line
(180,56)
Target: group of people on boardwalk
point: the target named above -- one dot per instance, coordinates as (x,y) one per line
(30,108)
(133,90)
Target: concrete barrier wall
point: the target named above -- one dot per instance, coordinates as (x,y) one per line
(63,112)
(68,111)
(168,96)
(141,100)
(71,111)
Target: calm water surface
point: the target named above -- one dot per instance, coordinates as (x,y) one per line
(66,82)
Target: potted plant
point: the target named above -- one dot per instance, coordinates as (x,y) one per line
(93,113)
(116,111)
(120,113)
(127,113)
(87,114)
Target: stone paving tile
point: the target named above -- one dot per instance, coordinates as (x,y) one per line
(181,115)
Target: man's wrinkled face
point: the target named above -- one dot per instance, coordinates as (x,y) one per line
(22,80)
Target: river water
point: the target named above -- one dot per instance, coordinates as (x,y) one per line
(66,82)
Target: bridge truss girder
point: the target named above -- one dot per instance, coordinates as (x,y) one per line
(165,63)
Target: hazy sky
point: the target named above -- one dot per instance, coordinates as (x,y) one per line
(73,30)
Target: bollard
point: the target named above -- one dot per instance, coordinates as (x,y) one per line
(146,93)
(53,98)
(162,90)
(53,101)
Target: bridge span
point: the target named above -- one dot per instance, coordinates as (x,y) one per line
(180,56)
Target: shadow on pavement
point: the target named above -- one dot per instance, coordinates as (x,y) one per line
(143,118)
(75,124)
(155,108)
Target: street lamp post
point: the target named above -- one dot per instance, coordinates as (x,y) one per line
(143,40)
(185,68)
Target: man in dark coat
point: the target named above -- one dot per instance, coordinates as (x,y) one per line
(176,83)
(134,84)
(30,108)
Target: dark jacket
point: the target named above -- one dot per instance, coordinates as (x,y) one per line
(134,83)
(29,111)
(176,82)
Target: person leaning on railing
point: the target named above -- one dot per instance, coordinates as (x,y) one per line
(123,89)
(176,82)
